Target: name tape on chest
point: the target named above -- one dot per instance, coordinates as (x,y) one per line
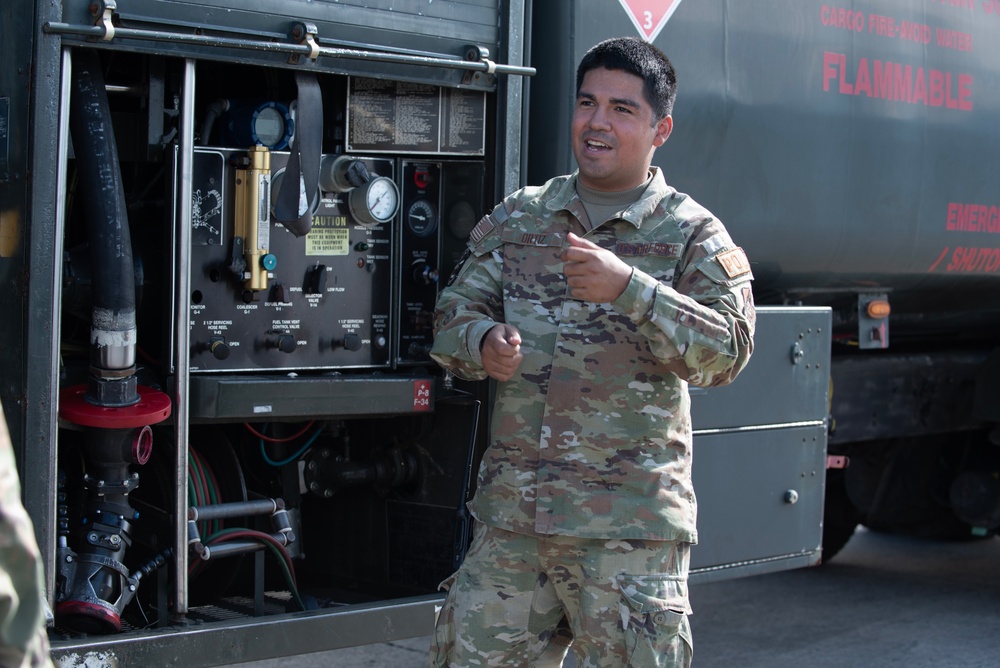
(624,249)
(734,262)
(534,239)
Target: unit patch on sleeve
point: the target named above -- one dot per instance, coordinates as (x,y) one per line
(734,262)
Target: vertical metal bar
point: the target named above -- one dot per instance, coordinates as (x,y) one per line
(258,583)
(526,57)
(32,381)
(514,86)
(182,311)
(41,458)
(162,599)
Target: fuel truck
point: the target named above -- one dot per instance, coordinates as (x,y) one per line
(851,148)
(223,228)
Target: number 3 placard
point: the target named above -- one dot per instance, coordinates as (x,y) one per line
(649,16)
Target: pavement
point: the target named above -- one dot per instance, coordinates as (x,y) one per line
(885,601)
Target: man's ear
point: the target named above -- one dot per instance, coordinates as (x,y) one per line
(664,127)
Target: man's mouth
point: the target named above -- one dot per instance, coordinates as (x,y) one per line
(596,145)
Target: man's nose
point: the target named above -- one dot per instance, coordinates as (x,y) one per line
(600,119)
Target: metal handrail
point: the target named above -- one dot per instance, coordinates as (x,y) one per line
(309,48)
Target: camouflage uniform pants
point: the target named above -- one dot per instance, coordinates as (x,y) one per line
(23,641)
(519,600)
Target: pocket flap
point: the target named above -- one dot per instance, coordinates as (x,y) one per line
(655,593)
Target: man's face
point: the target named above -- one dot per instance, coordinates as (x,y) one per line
(614,134)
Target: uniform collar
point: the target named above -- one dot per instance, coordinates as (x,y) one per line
(567,199)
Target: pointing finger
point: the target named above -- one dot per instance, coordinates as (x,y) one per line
(580,242)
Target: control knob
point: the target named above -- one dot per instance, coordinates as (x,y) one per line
(219,349)
(284,342)
(350,342)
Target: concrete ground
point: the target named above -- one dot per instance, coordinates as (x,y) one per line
(885,601)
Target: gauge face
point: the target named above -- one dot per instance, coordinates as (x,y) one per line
(375,202)
(421,218)
(269,126)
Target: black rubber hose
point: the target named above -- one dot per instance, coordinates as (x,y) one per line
(102,195)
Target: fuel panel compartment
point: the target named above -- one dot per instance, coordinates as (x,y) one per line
(322,300)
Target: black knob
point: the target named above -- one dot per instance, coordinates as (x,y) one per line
(283,342)
(280,293)
(350,342)
(315,283)
(219,348)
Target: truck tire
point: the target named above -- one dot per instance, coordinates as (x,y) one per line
(840,515)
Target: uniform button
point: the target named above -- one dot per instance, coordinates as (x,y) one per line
(660,618)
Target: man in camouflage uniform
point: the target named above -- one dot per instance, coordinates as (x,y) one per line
(23,641)
(593,300)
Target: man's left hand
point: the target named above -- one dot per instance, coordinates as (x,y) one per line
(594,274)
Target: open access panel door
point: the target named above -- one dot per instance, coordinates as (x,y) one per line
(760,452)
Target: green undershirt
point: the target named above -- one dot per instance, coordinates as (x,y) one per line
(602,206)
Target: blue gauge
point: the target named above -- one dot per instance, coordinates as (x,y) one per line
(267,124)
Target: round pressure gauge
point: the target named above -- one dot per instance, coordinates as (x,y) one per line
(375,202)
(421,218)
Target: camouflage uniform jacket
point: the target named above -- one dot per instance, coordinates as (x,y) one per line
(592,437)
(24,642)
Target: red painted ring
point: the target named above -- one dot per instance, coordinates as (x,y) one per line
(153,407)
(92,611)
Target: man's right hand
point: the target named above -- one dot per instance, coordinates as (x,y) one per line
(501,352)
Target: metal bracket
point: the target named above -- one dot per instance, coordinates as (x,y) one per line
(305,33)
(103,12)
(837,462)
(478,54)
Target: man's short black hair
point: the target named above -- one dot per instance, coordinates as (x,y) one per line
(635,56)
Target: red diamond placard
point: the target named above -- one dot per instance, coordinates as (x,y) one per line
(649,16)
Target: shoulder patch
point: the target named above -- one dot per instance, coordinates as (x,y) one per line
(481,231)
(734,262)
